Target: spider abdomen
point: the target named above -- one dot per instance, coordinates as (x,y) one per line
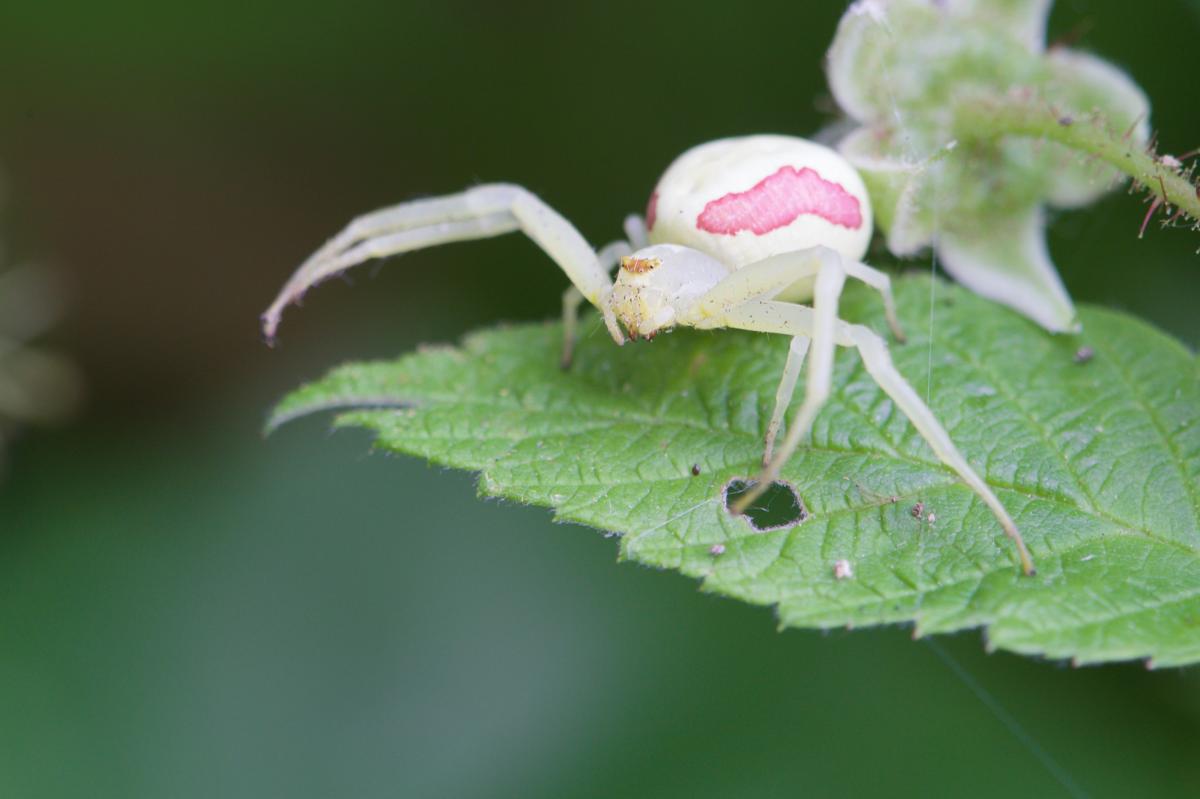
(744,199)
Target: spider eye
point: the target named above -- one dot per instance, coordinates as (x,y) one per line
(637,266)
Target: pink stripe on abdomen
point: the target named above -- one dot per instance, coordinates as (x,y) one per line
(777,200)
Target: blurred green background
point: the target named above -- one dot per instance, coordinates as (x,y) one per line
(187,610)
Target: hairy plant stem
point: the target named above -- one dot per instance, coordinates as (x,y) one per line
(994,117)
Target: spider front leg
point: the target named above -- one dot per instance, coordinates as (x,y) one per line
(481,212)
(781,317)
(608,257)
(636,238)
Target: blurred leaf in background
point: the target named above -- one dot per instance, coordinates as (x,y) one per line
(189,611)
(36,386)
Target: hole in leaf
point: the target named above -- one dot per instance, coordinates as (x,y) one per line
(779,506)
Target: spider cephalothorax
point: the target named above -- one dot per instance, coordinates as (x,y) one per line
(658,283)
(737,233)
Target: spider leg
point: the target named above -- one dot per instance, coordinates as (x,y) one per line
(783,395)
(609,256)
(635,231)
(768,277)
(481,212)
(819,381)
(781,317)
(879,364)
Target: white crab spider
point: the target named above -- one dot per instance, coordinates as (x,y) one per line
(736,233)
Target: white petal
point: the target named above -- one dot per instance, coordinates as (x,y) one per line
(860,47)
(890,56)
(1024,19)
(1007,261)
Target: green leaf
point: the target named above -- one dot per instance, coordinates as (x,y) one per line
(1098,461)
